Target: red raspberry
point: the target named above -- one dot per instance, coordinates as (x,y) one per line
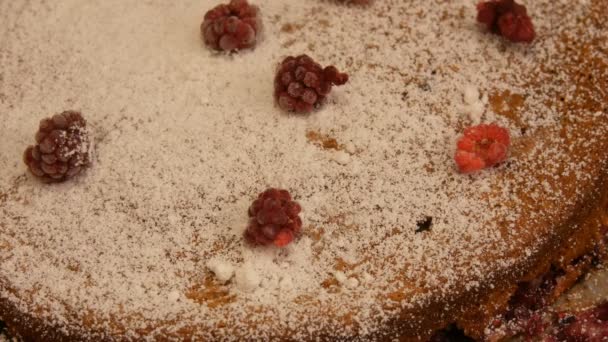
(231,27)
(62,148)
(302,84)
(481,147)
(507,18)
(273,219)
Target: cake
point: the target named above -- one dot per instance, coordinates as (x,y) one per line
(147,242)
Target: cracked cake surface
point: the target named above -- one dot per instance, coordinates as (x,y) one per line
(185,138)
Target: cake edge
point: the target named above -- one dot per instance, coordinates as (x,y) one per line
(476,310)
(472,311)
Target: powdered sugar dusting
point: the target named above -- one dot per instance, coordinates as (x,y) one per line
(186,138)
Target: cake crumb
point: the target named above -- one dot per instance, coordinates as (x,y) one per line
(173,296)
(341,157)
(246,278)
(222,269)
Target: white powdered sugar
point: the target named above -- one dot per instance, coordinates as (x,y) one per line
(341,157)
(474,103)
(173,296)
(340,277)
(222,269)
(185,139)
(471,94)
(247,278)
(352,282)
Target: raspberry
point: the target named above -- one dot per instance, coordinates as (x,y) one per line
(61,150)
(481,147)
(273,219)
(233,26)
(302,84)
(507,18)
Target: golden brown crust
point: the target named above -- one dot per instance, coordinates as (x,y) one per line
(569,253)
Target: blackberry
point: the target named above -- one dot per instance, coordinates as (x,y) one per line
(507,18)
(231,26)
(62,148)
(301,84)
(273,219)
(357,2)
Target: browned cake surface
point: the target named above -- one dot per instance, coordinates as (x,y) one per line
(185,139)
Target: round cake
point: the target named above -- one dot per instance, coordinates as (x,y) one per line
(147,242)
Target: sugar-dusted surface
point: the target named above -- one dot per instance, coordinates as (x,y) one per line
(185,140)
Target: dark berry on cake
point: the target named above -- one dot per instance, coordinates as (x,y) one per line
(273,219)
(481,147)
(231,26)
(357,2)
(507,18)
(62,148)
(301,84)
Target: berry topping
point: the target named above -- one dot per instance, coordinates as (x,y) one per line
(273,219)
(481,147)
(62,148)
(507,18)
(590,325)
(301,84)
(231,27)
(357,2)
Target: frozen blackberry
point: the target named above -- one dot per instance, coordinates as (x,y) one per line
(62,148)
(273,219)
(357,2)
(301,84)
(507,18)
(231,26)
